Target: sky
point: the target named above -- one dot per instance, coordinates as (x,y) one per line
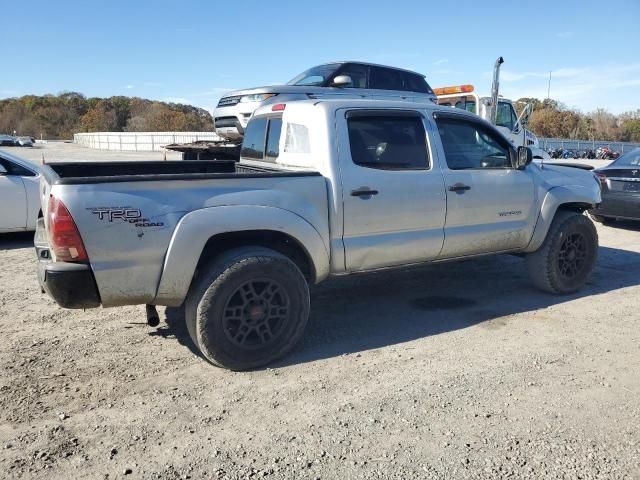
(194,51)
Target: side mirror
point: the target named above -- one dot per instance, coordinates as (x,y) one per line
(342,81)
(523,158)
(3,171)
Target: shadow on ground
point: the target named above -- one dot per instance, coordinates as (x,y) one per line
(624,225)
(12,241)
(363,312)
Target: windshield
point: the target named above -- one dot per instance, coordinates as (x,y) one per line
(315,76)
(631,159)
(462,104)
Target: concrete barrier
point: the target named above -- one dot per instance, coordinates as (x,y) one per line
(138,141)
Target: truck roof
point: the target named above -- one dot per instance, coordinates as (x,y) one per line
(334,103)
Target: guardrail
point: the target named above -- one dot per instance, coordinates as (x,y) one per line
(139,141)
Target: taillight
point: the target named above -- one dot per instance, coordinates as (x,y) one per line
(65,239)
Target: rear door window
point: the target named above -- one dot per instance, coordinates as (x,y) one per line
(15,169)
(386,79)
(415,83)
(388,142)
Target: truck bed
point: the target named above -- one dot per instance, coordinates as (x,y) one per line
(109,172)
(128,213)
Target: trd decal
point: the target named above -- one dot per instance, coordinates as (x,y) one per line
(124,214)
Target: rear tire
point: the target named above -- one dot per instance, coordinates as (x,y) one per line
(248,308)
(565,261)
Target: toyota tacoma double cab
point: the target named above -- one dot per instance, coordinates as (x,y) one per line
(323,187)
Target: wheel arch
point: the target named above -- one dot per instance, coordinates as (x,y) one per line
(278,241)
(559,199)
(203,234)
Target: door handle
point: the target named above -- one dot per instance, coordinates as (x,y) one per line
(459,188)
(363,192)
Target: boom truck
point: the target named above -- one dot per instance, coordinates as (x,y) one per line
(498,111)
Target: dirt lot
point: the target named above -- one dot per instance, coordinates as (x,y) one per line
(447,371)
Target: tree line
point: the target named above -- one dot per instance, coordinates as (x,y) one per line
(553,119)
(60,116)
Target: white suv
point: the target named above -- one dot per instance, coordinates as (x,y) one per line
(336,79)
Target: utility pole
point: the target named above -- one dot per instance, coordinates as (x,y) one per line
(549,87)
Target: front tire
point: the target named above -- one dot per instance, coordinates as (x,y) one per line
(248,308)
(565,261)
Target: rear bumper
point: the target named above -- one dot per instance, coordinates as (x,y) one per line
(620,205)
(71,285)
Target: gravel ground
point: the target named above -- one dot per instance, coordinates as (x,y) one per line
(446,371)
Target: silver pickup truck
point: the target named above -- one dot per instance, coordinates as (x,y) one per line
(323,188)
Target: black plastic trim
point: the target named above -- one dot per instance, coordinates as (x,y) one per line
(53,178)
(223,122)
(71,285)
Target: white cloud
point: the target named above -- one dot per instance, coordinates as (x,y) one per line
(608,86)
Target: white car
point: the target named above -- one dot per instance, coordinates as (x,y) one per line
(19,183)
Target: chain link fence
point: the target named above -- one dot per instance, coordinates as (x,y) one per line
(139,141)
(553,143)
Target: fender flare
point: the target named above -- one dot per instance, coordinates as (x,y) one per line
(553,200)
(194,230)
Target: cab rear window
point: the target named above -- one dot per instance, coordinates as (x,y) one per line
(262,138)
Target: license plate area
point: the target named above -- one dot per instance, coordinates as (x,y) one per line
(633,187)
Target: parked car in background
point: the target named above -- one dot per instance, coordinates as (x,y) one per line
(25,141)
(620,181)
(331,80)
(19,198)
(7,141)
